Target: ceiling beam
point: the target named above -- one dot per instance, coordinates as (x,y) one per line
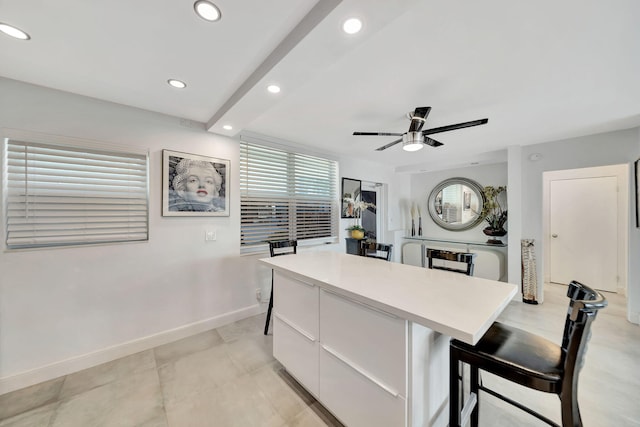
(321,9)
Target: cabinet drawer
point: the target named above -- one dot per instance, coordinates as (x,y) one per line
(297,352)
(372,339)
(355,397)
(297,302)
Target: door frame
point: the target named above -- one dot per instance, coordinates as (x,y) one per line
(378,188)
(621,172)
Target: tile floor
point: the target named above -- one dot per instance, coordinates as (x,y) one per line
(227,377)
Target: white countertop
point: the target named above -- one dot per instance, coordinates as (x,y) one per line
(453,304)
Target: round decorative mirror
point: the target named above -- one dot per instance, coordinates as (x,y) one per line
(455,204)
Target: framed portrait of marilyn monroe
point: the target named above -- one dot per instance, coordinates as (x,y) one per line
(194,185)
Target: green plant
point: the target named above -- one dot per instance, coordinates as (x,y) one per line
(492,210)
(354,228)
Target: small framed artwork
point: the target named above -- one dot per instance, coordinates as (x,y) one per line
(637,181)
(194,185)
(351,193)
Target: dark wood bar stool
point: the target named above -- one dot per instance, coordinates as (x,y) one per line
(529,360)
(376,250)
(282,247)
(463,257)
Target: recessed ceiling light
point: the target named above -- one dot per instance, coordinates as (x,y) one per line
(352,25)
(207,10)
(177,83)
(14,32)
(273,88)
(227,127)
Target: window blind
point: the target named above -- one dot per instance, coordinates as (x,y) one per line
(286,196)
(65,195)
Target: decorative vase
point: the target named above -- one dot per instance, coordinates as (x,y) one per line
(357,234)
(493,232)
(420,226)
(413,227)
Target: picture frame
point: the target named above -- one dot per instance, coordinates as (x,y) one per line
(637,184)
(351,193)
(194,185)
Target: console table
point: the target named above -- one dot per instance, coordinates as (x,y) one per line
(370,339)
(491,262)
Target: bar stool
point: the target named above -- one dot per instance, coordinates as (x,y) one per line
(282,247)
(463,257)
(373,249)
(529,360)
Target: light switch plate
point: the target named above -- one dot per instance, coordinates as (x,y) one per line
(210,235)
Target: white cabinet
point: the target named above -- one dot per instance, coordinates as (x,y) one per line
(296,329)
(350,356)
(370,338)
(354,397)
(362,363)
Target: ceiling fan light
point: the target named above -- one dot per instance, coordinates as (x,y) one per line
(412,146)
(412,141)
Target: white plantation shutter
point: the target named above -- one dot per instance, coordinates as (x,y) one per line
(286,196)
(66,195)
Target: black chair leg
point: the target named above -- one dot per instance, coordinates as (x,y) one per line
(266,325)
(474,377)
(454,392)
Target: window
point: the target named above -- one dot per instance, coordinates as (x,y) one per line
(286,196)
(72,194)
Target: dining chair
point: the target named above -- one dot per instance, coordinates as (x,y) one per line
(529,360)
(278,248)
(462,257)
(376,250)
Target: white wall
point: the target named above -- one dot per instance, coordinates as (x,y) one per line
(423,183)
(66,309)
(613,148)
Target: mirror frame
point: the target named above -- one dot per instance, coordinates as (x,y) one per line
(474,186)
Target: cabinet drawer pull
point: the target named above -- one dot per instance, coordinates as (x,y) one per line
(359,370)
(365,305)
(295,328)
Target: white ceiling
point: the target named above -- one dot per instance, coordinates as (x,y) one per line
(539,71)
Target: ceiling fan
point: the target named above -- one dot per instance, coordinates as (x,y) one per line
(416,138)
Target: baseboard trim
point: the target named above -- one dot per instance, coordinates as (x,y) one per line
(84,361)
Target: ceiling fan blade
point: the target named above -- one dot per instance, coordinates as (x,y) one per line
(417,120)
(377,134)
(432,142)
(391,144)
(456,126)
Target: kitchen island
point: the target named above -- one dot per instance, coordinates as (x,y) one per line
(370,339)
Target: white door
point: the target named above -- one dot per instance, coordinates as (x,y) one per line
(584,232)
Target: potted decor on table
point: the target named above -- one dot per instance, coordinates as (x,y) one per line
(494,212)
(357,232)
(357,206)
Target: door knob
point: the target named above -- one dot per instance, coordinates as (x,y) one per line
(554,235)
